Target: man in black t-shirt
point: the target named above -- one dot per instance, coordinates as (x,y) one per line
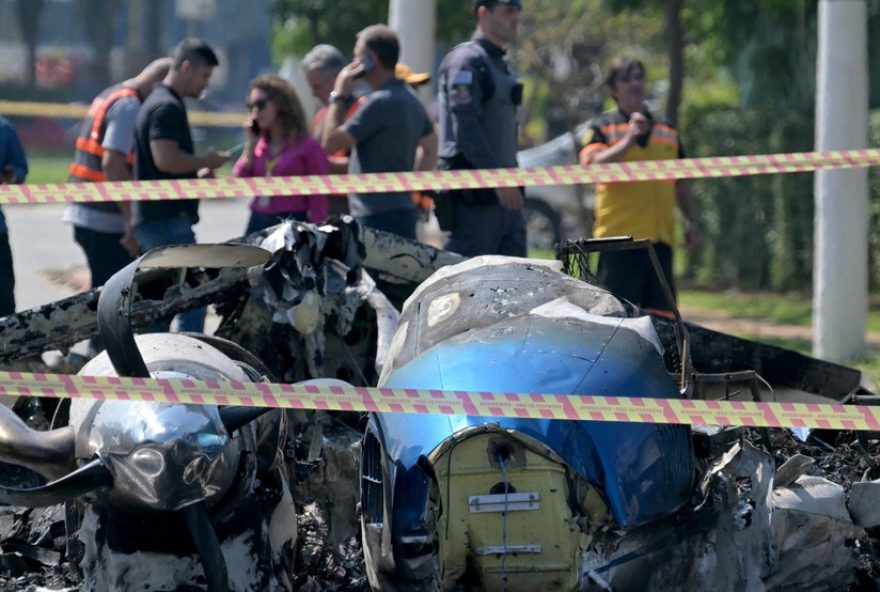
(164,150)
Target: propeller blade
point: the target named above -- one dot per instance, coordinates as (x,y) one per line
(81,481)
(234,418)
(202,531)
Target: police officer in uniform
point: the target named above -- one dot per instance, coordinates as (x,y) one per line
(479,96)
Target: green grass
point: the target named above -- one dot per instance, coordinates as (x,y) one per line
(774,308)
(46,168)
(535,253)
(782,309)
(52,168)
(869,364)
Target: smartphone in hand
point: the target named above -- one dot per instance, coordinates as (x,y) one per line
(367,66)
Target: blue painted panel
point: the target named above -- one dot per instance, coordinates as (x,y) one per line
(644,470)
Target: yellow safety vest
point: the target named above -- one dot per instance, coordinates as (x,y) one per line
(645,209)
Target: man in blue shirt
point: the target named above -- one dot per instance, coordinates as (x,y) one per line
(13,169)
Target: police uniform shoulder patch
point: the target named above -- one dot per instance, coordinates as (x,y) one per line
(463,78)
(461,84)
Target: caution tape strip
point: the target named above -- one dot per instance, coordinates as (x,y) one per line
(62,110)
(436,402)
(227,187)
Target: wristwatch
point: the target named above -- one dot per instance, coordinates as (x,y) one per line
(335,97)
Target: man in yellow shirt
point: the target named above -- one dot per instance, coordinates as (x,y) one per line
(645,210)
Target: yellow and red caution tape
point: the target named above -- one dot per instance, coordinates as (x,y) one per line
(227,187)
(420,401)
(65,110)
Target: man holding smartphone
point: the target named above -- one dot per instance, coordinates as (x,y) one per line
(164,150)
(390,131)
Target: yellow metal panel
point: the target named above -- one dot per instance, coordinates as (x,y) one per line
(470,468)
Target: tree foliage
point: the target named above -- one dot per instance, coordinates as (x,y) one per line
(759,229)
(100,33)
(302,24)
(741,73)
(566,47)
(29,13)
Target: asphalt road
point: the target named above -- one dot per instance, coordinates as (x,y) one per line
(49,264)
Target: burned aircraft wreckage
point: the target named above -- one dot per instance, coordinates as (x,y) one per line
(182,497)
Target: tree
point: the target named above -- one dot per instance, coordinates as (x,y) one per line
(29,12)
(100,32)
(675,51)
(759,230)
(301,24)
(565,47)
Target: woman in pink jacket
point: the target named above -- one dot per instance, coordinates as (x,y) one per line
(278,144)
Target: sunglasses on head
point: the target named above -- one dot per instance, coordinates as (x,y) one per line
(260,104)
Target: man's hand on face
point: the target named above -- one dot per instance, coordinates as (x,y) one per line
(347,79)
(638,125)
(510,198)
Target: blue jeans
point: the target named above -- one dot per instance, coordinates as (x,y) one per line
(152,234)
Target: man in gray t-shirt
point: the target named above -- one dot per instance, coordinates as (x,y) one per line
(390,132)
(105,152)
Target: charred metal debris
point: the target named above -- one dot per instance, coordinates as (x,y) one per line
(172,497)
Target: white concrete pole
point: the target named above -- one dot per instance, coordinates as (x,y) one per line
(840,268)
(414,21)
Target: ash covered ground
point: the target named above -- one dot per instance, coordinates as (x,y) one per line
(328,556)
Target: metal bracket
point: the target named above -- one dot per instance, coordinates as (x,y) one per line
(515,502)
(509,549)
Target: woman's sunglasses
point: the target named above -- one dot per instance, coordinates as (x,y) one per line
(260,104)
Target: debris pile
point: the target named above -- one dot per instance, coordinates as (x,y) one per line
(320,566)
(768,512)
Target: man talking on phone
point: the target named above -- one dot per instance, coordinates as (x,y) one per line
(390,131)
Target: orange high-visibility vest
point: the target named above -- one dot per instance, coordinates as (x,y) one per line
(86,165)
(643,209)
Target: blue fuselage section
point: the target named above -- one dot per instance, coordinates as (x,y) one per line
(644,470)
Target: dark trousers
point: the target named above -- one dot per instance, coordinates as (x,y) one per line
(401,222)
(7,277)
(630,275)
(104,254)
(488,230)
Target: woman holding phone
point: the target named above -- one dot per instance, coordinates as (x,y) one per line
(278,144)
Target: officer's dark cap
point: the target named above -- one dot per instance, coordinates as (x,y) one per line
(493,3)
